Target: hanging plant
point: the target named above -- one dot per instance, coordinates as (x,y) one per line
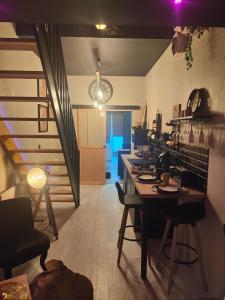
(183,39)
(190,33)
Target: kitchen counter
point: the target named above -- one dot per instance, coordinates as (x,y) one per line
(146,191)
(154,203)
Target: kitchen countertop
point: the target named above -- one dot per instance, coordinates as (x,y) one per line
(145,190)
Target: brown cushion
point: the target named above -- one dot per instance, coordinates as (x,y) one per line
(60,283)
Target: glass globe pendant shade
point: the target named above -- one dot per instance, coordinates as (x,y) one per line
(100,91)
(36,178)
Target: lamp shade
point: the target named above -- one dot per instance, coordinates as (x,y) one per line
(36,178)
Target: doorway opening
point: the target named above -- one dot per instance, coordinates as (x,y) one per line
(118,139)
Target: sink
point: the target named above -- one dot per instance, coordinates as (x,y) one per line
(138,162)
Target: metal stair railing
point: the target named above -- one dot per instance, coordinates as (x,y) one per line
(51,54)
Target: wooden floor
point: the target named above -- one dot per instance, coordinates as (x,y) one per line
(87,244)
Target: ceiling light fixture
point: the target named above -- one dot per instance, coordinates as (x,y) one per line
(100,106)
(101,26)
(177,2)
(100,94)
(100,90)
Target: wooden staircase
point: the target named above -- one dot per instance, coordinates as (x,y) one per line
(61,182)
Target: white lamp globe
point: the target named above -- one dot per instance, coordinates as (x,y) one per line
(36,178)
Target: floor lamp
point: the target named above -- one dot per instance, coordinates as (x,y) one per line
(37,179)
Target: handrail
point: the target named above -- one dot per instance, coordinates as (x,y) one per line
(51,54)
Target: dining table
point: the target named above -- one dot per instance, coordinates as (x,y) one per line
(153,200)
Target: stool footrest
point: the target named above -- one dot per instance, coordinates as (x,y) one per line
(132,240)
(178,261)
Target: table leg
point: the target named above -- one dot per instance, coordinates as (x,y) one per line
(144,255)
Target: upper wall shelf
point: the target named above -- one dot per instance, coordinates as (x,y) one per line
(189,119)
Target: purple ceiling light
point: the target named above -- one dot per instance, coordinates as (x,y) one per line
(177,2)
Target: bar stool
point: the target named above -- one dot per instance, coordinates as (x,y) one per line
(183,214)
(129,201)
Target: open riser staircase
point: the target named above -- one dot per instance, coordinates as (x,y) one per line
(56,150)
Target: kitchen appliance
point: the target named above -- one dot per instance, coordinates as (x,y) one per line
(184,176)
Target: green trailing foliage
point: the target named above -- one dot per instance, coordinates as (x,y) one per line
(190,33)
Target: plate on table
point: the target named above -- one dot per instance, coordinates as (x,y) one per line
(146,178)
(168,189)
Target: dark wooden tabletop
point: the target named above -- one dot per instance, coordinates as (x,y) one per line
(147,191)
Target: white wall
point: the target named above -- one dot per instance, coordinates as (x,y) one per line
(170,83)
(127,90)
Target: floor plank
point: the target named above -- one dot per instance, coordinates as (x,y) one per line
(87,244)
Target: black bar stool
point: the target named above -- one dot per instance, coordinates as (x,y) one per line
(183,214)
(129,201)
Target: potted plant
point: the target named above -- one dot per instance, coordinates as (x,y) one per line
(183,39)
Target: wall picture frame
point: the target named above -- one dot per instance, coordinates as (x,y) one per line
(43,113)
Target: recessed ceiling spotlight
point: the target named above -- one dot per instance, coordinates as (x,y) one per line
(177,1)
(101,26)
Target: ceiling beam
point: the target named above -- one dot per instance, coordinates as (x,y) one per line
(137,32)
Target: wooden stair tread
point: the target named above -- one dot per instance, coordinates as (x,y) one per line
(55,193)
(59,184)
(36,151)
(43,163)
(57,175)
(15,74)
(60,193)
(18,44)
(30,136)
(26,119)
(60,200)
(24,99)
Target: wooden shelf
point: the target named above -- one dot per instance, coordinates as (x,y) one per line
(190,119)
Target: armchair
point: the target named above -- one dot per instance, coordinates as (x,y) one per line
(19,240)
